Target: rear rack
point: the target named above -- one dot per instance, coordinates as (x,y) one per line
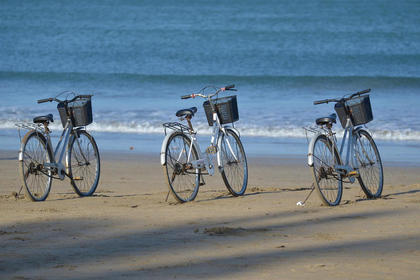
(29,126)
(314,130)
(177,127)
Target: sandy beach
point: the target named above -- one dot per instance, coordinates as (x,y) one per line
(127,230)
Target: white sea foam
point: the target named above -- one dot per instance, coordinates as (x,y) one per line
(245,130)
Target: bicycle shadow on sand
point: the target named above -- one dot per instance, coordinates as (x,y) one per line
(253,191)
(102,247)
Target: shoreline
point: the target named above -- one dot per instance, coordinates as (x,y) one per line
(393,153)
(264,171)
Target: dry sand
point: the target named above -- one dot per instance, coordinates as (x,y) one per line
(127,230)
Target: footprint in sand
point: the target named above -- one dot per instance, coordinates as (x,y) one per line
(225,231)
(66,266)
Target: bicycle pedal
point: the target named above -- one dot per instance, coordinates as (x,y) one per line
(77,178)
(211,149)
(353,173)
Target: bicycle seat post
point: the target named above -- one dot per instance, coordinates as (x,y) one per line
(46,129)
(188,118)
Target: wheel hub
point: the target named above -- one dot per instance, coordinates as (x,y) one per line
(177,168)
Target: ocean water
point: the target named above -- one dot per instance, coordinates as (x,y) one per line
(139,57)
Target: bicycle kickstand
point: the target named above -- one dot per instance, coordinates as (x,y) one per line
(302,203)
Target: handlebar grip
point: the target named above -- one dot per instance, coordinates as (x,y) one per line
(321,101)
(186,96)
(85,96)
(364,91)
(44,100)
(229,87)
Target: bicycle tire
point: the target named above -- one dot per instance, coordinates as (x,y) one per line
(183,182)
(328,183)
(232,162)
(370,167)
(83,163)
(36,179)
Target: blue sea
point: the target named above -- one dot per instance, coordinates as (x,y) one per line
(139,57)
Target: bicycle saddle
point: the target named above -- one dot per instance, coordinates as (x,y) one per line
(42,119)
(186,112)
(325,120)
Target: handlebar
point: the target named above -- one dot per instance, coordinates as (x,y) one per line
(321,101)
(343,99)
(51,99)
(186,96)
(359,93)
(200,94)
(44,100)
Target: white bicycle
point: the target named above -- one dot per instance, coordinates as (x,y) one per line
(362,156)
(183,162)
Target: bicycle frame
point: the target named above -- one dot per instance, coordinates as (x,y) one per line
(61,145)
(205,160)
(61,148)
(349,139)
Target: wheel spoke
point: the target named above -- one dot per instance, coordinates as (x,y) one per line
(84,164)
(369,164)
(233,162)
(37,180)
(328,186)
(183,183)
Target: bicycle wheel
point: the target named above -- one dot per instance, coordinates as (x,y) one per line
(232,162)
(183,179)
(327,181)
(83,163)
(36,178)
(370,165)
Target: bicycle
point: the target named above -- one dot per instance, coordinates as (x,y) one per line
(183,162)
(38,160)
(362,156)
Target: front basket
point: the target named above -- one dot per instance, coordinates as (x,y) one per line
(226,109)
(359,109)
(80,112)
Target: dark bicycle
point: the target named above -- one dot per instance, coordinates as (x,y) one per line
(40,163)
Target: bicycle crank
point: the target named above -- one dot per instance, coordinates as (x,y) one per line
(211,149)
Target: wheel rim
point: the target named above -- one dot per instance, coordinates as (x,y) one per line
(233,161)
(325,174)
(35,175)
(370,166)
(182,178)
(84,164)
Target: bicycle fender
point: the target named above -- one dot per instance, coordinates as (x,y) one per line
(359,128)
(234,130)
(311,149)
(165,143)
(20,155)
(163,148)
